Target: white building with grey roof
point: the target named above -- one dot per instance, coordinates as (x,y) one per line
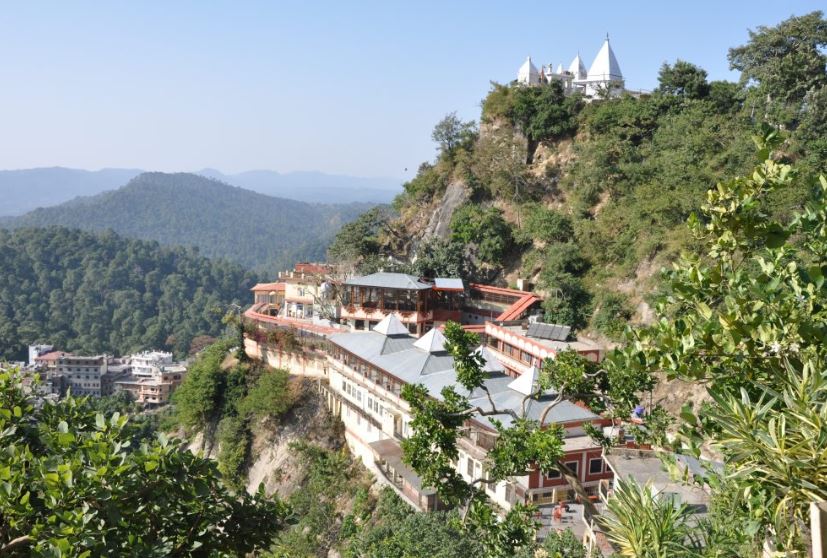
(367,370)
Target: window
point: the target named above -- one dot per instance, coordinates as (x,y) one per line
(573,466)
(553,475)
(344,385)
(596,466)
(470,468)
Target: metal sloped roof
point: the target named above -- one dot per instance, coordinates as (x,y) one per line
(448,284)
(398,356)
(385,280)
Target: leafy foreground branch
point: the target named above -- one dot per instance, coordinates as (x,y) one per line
(73,484)
(747,319)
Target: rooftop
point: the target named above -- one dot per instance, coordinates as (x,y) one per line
(401,357)
(646,466)
(385,280)
(555,345)
(267,287)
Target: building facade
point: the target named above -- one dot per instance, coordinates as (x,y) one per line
(367,370)
(83,374)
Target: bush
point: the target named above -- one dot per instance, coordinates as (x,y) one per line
(270,397)
(612,314)
(485,230)
(233,444)
(547,225)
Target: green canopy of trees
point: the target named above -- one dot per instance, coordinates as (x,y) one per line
(73,483)
(94,293)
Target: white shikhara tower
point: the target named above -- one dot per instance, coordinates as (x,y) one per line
(602,78)
(528,74)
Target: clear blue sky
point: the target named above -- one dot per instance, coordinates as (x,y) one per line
(339,87)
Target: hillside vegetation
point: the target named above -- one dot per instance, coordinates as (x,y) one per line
(587,201)
(223,221)
(90,293)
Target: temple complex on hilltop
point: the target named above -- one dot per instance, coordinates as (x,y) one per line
(602,78)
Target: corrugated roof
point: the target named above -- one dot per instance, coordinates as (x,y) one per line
(386,280)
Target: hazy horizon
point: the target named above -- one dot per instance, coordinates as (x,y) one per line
(335,88)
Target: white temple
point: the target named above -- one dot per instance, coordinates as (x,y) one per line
(603,76)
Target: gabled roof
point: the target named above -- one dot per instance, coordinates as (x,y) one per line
(577,68)
(391,325)
(605,66)
(433,342)
(387,280)
(528,73)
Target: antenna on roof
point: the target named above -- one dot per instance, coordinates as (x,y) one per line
(607,35)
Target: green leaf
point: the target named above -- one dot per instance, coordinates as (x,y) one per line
(150,466)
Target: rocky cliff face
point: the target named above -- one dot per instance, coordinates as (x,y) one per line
(273,461)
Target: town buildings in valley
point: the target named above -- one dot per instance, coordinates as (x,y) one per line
(149,377)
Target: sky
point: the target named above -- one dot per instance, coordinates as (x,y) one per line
(338,87)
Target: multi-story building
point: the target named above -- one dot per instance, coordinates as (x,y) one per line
(152,378)
(308,293)
(367,370)
(521,345)
(148,363)
(83,373)
(269,297)
(36,351)
(368,300)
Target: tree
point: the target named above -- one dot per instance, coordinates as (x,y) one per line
(74,484)
(485,229)
(522,445)
(641,526)
(787,61)
(451,133)
(747,318)
(442,258)
(360,238)
(270,397)
(683,79)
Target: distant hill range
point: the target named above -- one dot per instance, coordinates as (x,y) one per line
(28,189)
(261,232)
(312,187)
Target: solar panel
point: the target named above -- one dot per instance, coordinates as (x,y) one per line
(554,332)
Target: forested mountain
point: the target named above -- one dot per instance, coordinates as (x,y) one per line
(90,292)
(587,199)
(312,187)
(224,221)
(27,189)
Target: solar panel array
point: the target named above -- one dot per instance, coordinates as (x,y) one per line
(554,332)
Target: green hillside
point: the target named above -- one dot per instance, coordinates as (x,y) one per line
(90,292)
(223,221)
(587,199)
